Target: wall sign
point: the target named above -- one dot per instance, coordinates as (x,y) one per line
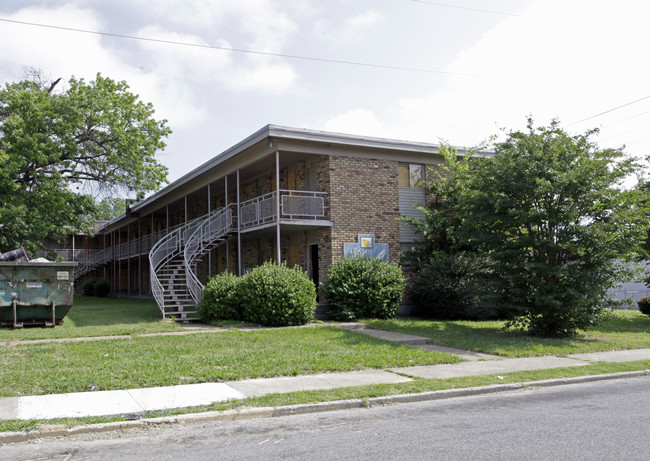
(366,247)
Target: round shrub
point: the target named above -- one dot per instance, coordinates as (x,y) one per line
(359,287)
(220,300)
(97,287)
(644,305)
(89,287)
(101,288)
(277,295)
(456,286)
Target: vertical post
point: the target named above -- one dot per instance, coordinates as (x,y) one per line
(185,210)
(139,256)
(167,220)
(225,178)
(209,252)
(73,246)
(238,229)
(277,204)
(128,259)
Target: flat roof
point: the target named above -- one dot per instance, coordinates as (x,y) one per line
(287,133)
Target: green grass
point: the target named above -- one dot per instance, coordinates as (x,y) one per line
(48,368)
(91,316)
(624,330)
(359,392)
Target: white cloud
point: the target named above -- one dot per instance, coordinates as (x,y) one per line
(356,121)
(352,28)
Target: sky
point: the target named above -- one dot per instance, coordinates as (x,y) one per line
(458,71)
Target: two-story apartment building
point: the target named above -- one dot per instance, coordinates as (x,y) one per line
(283,194)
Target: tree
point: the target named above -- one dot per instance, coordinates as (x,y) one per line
(56,146)
(452,280)
(549,208)
(109,208)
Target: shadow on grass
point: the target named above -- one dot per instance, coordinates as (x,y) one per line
(91,311)
(486,336)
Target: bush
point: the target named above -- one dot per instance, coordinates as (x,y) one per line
(456,286)
(97,287)
(102,288)
(644,305)
(89,287)
(360,287)
(277,295)
(220,300)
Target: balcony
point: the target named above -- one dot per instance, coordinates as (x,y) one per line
(296,207)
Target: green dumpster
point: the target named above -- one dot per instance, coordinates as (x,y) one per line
(35,293)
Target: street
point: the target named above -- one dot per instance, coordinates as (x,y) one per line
(607,420)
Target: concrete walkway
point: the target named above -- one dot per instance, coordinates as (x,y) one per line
(139,401)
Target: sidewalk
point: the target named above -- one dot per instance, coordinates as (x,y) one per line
(136,402)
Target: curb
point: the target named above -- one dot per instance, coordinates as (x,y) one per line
(302,409)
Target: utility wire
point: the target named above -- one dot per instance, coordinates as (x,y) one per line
(280,55)
(608,111)
(468,9)
(626,119)
(241,50)
(645,128)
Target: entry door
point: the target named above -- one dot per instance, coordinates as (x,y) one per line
(313,263)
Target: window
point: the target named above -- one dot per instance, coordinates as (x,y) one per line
(409,175)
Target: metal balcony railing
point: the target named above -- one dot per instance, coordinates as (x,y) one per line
(294,205)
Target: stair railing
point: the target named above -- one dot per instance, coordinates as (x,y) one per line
(165,249)
(212,230)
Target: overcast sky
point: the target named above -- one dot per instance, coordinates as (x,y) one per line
(457,70)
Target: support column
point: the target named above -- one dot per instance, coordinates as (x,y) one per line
(238,228)
(209,252)
(226,204)
(139,256)
(277,204)
(128,259)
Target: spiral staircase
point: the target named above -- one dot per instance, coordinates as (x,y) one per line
(174,259)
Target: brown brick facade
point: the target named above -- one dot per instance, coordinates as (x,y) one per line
(364,199)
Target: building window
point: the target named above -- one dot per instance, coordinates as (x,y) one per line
(409,175)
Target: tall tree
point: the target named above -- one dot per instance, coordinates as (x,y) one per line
(550,208)
(57,145)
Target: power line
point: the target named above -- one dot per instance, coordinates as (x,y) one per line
(636,142)
(608,111)
(279,55)
(241,50)
(646,128)
(444,5)
(626,119)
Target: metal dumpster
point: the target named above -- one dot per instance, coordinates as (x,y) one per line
(35,293)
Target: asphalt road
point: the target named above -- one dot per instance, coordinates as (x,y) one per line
(607,420)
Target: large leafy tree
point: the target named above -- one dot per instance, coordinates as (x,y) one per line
(550,208)
(452,279)
(60,147)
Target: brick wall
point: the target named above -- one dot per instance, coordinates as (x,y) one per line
(364,199)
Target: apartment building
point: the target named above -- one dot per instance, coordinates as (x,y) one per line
(283,194)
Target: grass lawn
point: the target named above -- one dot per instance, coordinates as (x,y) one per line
(624,330)
(91,316)
(47,368)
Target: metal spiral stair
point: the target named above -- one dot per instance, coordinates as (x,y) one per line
(212,232)
(168,275)
(174,259)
